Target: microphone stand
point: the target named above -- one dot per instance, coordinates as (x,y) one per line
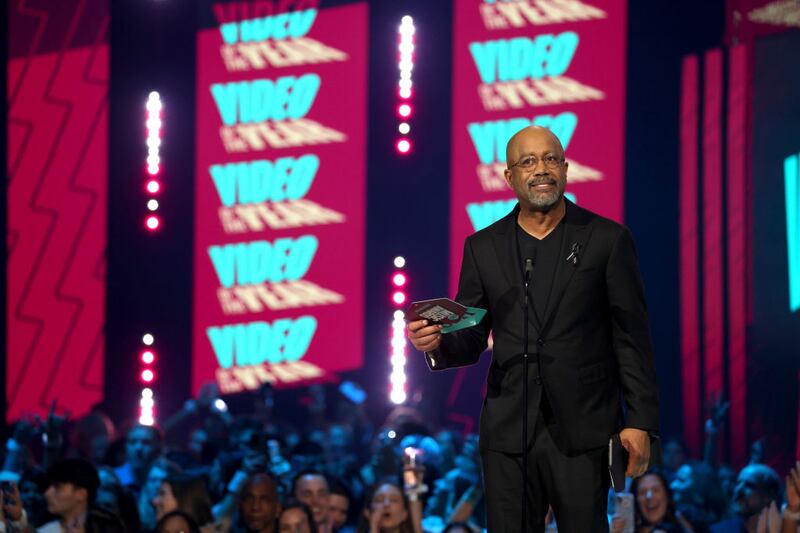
(528,272)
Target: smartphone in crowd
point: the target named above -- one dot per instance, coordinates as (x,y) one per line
(623,507)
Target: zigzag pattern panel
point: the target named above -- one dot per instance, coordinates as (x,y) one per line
(57,169)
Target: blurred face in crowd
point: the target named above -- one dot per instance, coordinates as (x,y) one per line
(141,447)
(673,455)
(259,504)
(175,524)
(294,520)
(197,440)
(312,490)
(750,495)
(682,484)
(107,492)
(66,499)
(651,495)
(155,477)
(337,510)
(388,500)
(165,501)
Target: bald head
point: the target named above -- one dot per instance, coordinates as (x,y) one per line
(530,134)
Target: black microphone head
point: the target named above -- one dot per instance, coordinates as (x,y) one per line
(528,266)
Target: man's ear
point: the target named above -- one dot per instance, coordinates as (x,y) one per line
(507,175)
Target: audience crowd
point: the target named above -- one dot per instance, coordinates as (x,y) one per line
(206,470)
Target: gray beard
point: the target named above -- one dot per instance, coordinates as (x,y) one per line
(544,202)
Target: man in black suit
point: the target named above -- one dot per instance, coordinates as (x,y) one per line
(591,370)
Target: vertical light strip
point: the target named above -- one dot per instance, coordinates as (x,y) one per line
(405,64)
(147,403)
(689,302)
(738,227)
(397,379)
(791,175)
(713,261)
(153,124)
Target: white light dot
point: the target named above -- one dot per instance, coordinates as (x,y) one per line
(405,20)
(152,204)
(397,396)
(147,403)
(148,339)
(404,128)
(153,142)
(399,314)
(147,392)
(153,160)
(154,95)
(399,261)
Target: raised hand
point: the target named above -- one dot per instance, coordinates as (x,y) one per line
(793,489)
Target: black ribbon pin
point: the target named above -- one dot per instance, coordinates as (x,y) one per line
(574,254)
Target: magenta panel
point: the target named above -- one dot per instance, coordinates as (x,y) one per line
(280,199)
(712,202)
(57,200)
(689,269)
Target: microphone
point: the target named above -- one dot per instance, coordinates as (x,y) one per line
(529,267)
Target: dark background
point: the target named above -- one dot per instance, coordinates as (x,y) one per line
(150,275)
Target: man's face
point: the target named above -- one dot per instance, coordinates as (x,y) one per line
(65,499)
(312,490)
(539,187)
(294,521)
(259,505)
(140,448)
(682,484)
(673,455)
(749,496)
(337,510)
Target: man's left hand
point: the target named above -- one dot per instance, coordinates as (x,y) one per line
(637,442)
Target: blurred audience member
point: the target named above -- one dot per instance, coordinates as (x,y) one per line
(142,448)
(296,517)
(311,488)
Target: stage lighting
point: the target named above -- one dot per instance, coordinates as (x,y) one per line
(399,261)
(404,110)
(148,357)
(399,279)
(148,339)
(403,146)
(152,204)
(153,186)
(148,375)
(399,298)
(152,222)
(404,128)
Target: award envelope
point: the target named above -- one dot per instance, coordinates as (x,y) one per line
(452,315)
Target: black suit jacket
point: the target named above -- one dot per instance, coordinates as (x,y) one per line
(593,343)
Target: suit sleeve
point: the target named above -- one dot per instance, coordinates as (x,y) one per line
(631,335)
(464,347)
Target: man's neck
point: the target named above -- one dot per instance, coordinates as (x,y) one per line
(541,223)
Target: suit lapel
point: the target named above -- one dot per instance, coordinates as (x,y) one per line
(575,236)
(507,253)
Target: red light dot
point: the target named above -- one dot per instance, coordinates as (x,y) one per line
(399,279)
(403,146)
(148,357)
(404,110)
(152,223)
(148,376)
(153,186)
(399,297)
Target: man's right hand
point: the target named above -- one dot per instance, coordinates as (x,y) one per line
(425,338)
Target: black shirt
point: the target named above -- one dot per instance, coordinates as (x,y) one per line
(545,259)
